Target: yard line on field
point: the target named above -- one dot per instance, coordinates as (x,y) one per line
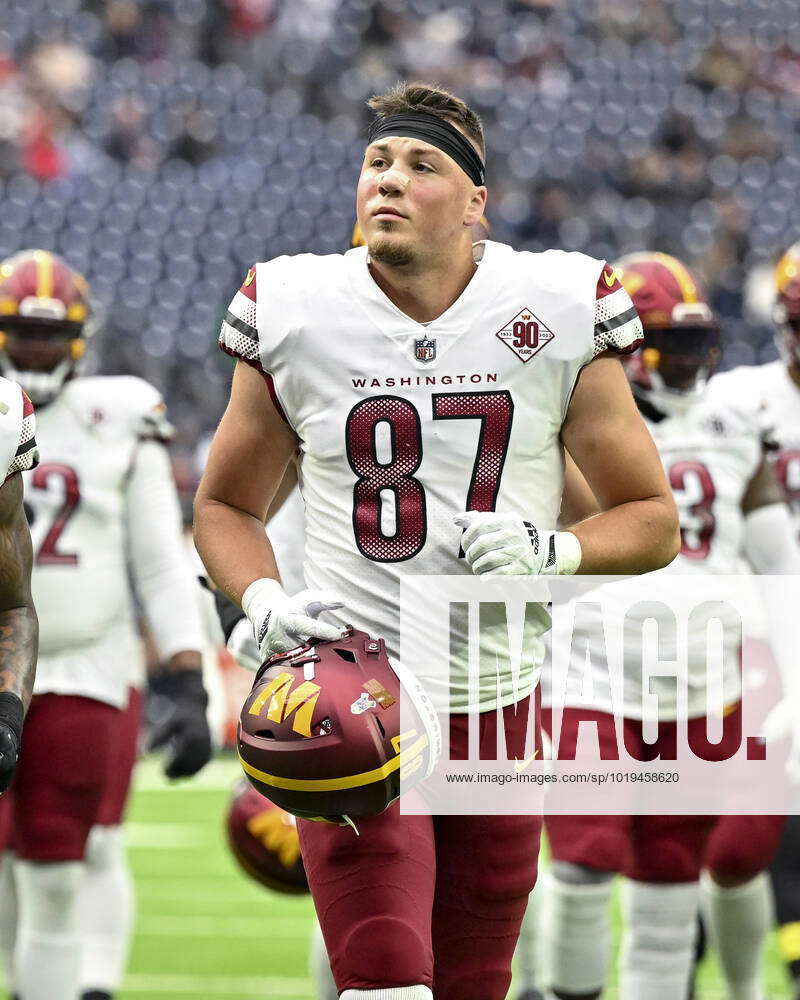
(188,884)
(287,928)
(153,892)
(203,986)
(168,835)
(220,773)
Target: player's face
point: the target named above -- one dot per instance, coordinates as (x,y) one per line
(37,348)
(413,201)
(684,353)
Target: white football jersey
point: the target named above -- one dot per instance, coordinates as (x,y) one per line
(771,387)
(403,425)
(710,454)
(78,504)
(18,450)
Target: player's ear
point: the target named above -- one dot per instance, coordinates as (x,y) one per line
(476,207)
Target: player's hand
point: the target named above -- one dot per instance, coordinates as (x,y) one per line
(281,622)
(12,714)
(9,752)
(782,722)
(508,545)
(177,712)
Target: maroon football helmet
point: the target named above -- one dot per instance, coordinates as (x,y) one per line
(45,317)
(320,732)
(264,840)
(681,333)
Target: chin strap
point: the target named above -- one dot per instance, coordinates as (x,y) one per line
(350,823)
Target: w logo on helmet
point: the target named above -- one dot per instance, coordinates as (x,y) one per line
(281,703)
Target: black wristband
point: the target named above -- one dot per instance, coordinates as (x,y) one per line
(12,712)
(229,614)
(184,684)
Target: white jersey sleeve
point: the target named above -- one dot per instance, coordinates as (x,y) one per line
(239,335)
(617,326)
(18,450)
(159,564)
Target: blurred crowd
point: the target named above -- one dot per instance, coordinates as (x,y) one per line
(162,146)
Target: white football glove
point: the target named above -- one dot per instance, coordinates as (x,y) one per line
(507,545)
(281,622)
(781,722)
(243,647)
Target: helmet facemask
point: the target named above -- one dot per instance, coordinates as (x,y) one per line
(40,356)
(675,366)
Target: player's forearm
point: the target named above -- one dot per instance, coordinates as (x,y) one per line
(233,546)
(19,644)
(635,537)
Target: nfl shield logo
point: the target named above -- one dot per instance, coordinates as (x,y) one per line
(425,350)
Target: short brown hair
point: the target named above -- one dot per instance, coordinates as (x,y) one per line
(405,97)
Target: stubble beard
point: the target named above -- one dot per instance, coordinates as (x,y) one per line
(391,252)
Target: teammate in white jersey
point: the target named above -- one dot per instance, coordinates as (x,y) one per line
(731,509)
(103,508)
(776,387)
(479,362)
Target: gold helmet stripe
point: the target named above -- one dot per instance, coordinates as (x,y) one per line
(44,274)
(680,274)
(336,784)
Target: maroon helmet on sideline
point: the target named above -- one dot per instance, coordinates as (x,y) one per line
(43,304)
(681,333)
(320,732)
(263,839)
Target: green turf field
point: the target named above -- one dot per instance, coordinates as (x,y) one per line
(204,931)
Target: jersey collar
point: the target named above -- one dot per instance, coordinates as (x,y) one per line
(400,328)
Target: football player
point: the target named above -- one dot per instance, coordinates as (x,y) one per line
(333,350)
(103,509)
(776,387)
(731,507)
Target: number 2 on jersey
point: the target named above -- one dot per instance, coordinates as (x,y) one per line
(495,410)
(48,554)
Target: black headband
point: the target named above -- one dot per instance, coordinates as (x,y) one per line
(438,132)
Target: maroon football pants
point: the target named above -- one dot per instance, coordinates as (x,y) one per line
(54,801)
(742,846)
(435,901)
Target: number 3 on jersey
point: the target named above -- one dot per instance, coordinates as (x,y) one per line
(695,495)
(494,410)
